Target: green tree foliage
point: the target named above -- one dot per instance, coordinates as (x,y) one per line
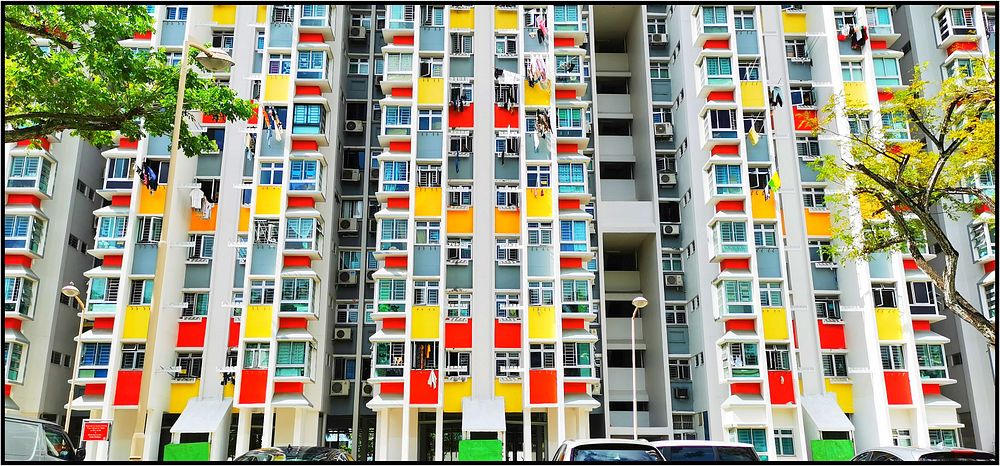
(895,191)
(87,82)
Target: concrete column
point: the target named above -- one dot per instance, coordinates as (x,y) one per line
(151,447)
(527,434)
(297,428)
(267,438)
(243,431)
(439,435)
(405,446)
(381,425)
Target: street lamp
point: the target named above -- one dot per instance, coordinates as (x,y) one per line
(71,291)
(638,302)
(214,60)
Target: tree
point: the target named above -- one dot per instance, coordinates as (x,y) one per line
(85,81)
(905,177)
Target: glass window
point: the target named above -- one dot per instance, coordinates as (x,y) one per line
(293,359)
(892,357)
(834,365)
(743,20)
(784,444)
(777,357)
(852,71)
(279,64)
(887,71)
(770,294)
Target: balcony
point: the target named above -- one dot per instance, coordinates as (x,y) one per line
(955,25)
(280,35)
(309,123)
(31,175)
(389,309)
(400,21)
(314,74)
(582,310)
(712,24)
(719,127)
(316,19)
(718,81)
(305,245)
(24,230)
(306,179)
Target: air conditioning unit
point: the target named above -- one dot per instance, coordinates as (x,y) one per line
(342,334)
(350,174)
(340,387)
(682,393)
(354,126)
(673,279)
(663,130)
(596,390)
(370,276)
(357,32)
(367,389)
(658,39)
(668,179)
(671,229)
(348,225)
(347,277)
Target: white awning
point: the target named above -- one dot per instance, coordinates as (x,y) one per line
(580,400)
(299,272)
(483,415)
(580,335)
(916,275)
(989,278)
(743,399)
(96,334)
(26,209)
(940,401)
(926,336)
(576,274)
(88,402)
(290,400)
(112,210)
(202,415)
(395,274)
(302,212)
(575,214)
(8,403)
(825,413)
(103,271)
(19,271)
(13,334)
(731,275)
(739,335)
(386,400)
(388,334)
(295,334)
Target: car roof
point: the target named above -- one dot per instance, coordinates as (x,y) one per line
(700,443)
(29,419)
(594,441)
(915,452)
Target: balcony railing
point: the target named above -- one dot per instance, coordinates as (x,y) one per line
(576,308)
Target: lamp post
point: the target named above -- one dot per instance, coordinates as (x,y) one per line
(71,291)
(215,60)
(638,302)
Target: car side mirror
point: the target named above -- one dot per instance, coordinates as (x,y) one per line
(81,454)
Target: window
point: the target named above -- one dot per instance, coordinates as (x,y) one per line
(296,295)
(884,295)
(728,179)
(393,231)
(777,357)
(539,233)
(261,292)
(983,239)
(429,120)
(392,290)
(346,314)
(749,70)
(679,369)
(397,116)
(508,305)
(892,357)
(26,172)
(656,26)
(852,71)
(990,301)
(358,66)
(313,15)
(539,293)
(457,363)
(203,248)
(282,13)
(539,176)
(672,262)
(177,13)
(784,444)
(17,295)
(943,437)
(714,19)
(879,20)
(459,251)
(506,45)
(424,355)
(196,304)
(796,49)
(803,96)
(722,120)
(820,253)
(433,15)
(461,44)
(431,67)
(576,291)
(428,233)
(759,176)
(279,64)
(189,364)
(397,63)
(807,147)
(659,70)
(901,438)
(930,360)
(94,360)
(425,293)
(309,119)
(142,293)
(542,356)
(735,297)
(814,198)
(827,308)
(921,294)
(860,124)
(508,251)
(743,20)
(731,237)
(895,125)
(718,67)
(223,40)
(271,173)
(840,18)
(133,356)
(764,235)
(770,294)
(566,14)
(577,360)
(459,304)
(743,359)
(388,359)
(834,365)
(568,119)
(149,229)
(400,16)
(573,235)
(28,232)
(683,421)
(293,359)
(675,314)
(887,72)
(102,290)
(572,178)
(508,363)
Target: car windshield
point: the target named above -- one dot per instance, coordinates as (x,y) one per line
(308,454)
(691,453)
(960,455)
(615,452)
(736,454)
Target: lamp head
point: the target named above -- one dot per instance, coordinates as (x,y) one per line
(640,302)
(70,291)
(215,60)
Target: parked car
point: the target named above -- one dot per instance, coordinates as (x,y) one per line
(607,450)
(291,453)
(692,451)
(883,454)
(27,439)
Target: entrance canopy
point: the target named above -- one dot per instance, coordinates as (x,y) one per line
(826,414)
(483,415)
(202,416)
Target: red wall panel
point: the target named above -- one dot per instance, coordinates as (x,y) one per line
(402,40)
(507,335)
(127,388)
(395,262)
(733,206)
(543,387)
(399,146)
(781,387)
(723,96)
(461,119)
(288,387)
(402,92)
(234,333)
(717,44)
(737,264)
(740,324)
(399,203)
(420,391)
(394,323)
(191,334)
(503,119)
(297,261)
(565,94)
(897,387)
(746,388)
(831,336)
(253,386)
(458,334)
(575,387)
(391,387)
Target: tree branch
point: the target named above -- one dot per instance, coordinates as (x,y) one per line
(36,31)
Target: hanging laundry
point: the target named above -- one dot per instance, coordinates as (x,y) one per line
(206,209)
(432,380)
(753,135)
(773,184)
(197,197)
(534,136)
(775,99)
(844,31)
(864,36)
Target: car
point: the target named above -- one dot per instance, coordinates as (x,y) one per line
(696,451)
(26,439)
(295,453)
(883,454)
(607,449)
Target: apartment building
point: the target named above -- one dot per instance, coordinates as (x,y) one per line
(50,186)
(434,228)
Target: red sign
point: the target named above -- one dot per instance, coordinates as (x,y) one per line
(96,430)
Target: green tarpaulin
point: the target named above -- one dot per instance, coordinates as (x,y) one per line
(198,451)
(480,450)
(832,450)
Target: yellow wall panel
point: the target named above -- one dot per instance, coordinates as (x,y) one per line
(761,207)
(257,322)
(180,393)
(268,200)
(453,394)
(536,95)
(817,223)
(261,14)
(752,93)
(152,203)
(202,224)
(542,322)
(775,323)
(507,221)
(224,14)
(136,323)
(426,323)
(460,221)
(890,326)
(461,19)
(855,94)
(844,393)
(430,91)
(276,87)
(511,393)
(539,202)
(427,202)
(505,19)
(244,225)
(795,23)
